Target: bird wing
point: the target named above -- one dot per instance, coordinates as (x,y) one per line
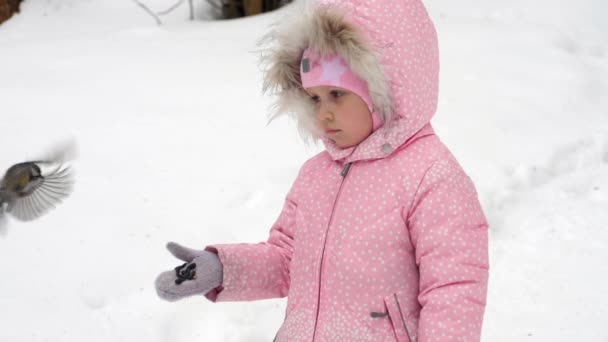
(55,186)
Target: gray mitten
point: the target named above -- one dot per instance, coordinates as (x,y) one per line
(202,272)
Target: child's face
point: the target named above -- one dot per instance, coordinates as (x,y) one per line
(341,115)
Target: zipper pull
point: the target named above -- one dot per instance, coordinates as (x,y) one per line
(379,314)
(345,170)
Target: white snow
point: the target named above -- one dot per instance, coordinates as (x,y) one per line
(171,127)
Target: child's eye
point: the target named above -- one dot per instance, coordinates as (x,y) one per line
(337,93)
(315,99)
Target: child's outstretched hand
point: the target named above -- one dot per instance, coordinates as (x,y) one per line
(202,272)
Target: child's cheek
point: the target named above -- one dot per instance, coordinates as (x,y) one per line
(320,131)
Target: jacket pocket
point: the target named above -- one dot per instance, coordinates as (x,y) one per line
(404,326)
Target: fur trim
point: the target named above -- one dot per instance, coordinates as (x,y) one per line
(326,29)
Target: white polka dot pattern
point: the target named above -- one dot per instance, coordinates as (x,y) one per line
(407,236)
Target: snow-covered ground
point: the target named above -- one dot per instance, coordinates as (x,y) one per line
(171,128)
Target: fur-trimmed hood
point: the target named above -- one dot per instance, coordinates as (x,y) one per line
(391,44)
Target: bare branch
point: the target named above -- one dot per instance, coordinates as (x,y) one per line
(170,9)
(191,9)
(215,4)
(158,22)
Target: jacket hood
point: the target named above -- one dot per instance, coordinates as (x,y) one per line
(391,44)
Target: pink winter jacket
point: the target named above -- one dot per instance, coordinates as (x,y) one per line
(385,241)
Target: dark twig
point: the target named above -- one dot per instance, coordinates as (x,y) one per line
(191,9)
(170,9)
(215,4)
(149,12)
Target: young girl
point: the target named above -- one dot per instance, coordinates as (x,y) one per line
(382,237)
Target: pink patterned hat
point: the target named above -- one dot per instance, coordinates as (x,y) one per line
(333,71)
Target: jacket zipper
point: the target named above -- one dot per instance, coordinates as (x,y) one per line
(402,318)
(331,216)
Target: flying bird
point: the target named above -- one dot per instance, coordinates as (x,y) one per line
(29,189)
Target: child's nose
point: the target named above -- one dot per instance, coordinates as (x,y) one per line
(325,113)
